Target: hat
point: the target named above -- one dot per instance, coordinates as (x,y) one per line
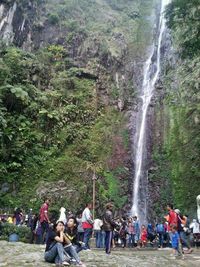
(177,211)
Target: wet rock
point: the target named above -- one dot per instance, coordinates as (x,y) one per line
(5,188)
(56,190)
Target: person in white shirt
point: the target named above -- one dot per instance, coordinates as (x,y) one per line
(97,231)
(195,227)
(87,223)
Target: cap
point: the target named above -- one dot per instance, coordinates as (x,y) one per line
(177,211)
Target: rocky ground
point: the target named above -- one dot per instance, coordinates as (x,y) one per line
(21,255)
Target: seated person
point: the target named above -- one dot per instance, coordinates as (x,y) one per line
(71,234)
(54,252)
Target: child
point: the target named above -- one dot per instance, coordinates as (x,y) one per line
(176,244)
(143,236)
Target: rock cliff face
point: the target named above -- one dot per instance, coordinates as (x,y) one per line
(111,55)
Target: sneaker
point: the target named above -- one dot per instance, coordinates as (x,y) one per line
(65,263)
(81,264)
(188,251)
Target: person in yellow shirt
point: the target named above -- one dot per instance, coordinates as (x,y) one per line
(9,220)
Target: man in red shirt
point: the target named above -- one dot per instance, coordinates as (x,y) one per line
(172,216)
(44,218)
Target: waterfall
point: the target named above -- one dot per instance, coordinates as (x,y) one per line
(22,26)
(1,10)
(6,28)
(151,75)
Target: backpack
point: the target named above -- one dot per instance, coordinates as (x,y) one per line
(160,228)
(179,224)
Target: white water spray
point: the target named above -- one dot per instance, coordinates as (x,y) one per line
(149,81)
(6,28)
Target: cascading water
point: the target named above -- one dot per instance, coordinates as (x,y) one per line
(151,75)
(6,28)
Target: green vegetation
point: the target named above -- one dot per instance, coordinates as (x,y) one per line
(54,122)
(7,229)
(50,128)
(111,25)
(182,82)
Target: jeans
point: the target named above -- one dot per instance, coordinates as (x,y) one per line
(71,250)
(131,240)
(55,254)
(98,238)
(103,235)
(161,239)
(123,239)
(44,229)
(87,236)
(108,241)
(80,236)
(185,239)
(79,248)
(137,237)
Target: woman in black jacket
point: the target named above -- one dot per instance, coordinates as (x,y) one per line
(71,234)
(54,252)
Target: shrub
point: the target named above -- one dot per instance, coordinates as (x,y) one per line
(53,19)
(7,229)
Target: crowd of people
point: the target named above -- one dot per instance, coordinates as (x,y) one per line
(67,235)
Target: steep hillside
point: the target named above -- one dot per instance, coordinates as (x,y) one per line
(69,71)
(176,158)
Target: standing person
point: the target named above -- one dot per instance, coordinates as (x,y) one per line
(103,235)
(160,230)
(143,236)
(30,218)
(44,218)
(171,218)
(123,232)
(33,228)
(131,233)
(151,235)
(18,216)
(63,217)
(136,226)
(195,228)
(182,228)
(80,228)
(116,232)
(108,226)
(87,224)
(175,239)
(97,231)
